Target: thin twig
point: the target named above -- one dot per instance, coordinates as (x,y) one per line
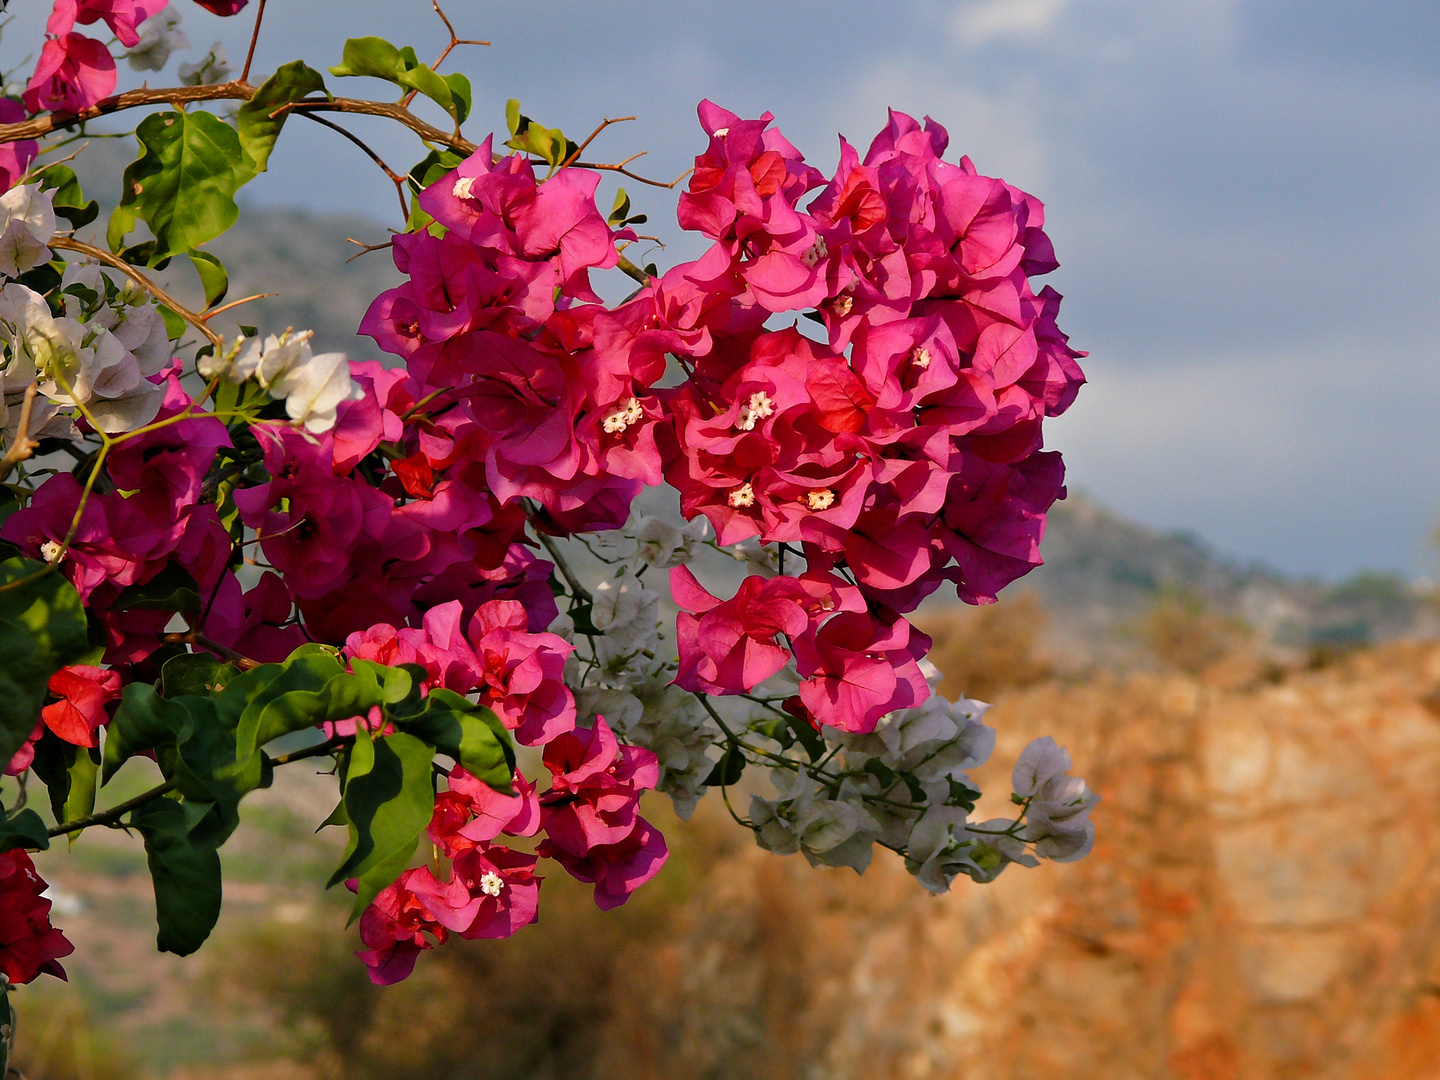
(115,813)
(455,40)
(581,148)
(212,312)
(395,178)
(69,243)
(254,38)
(563,566)
(366,249)
(24,444)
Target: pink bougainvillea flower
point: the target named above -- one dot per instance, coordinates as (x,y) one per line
(84,693)
(15,157)
(504,890)
(729,647)
(74,72)
(29,945)
(471,812)
(616,870)
(595,788)
(223,7)
(398,926)
(856,667)
(122,16)
(521,675)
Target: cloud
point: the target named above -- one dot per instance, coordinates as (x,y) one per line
(989,20)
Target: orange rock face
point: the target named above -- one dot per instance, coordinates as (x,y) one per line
(1263,901)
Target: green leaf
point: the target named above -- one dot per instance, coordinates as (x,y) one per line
(68,199)
(183,184)
(186,875)
(42,629)
(190,673)
(370,56)
(389,799)
(807,737)
(728,769)
(621,209)
(259,120)
(531,138)
(203,769)
(213,278)
(144,721)
(70,774)
(24,830)
(302,704)
(469,733)
(175,326)
(378,59)
(461,96)
(173,589)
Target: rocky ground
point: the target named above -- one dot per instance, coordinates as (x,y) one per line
(1263,902)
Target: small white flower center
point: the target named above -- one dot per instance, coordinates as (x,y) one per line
(490,883)
(463,186)
(819,499)
(627,413)
(50,551)
(920,357)
(842,304)
(742,496)
(818,251)
(758,409)
(720,133)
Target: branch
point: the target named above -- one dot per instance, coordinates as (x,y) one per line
(24,444)
(241,661)
(561,564)
(395,178)
(254,38)
(43,125)
(115,813)
(366,249)
(455,40)
(391,110)
(212,312)
(69,243)
(606,122)
(236,90)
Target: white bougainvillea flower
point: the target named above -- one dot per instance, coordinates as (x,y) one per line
(27,225)
(160,35)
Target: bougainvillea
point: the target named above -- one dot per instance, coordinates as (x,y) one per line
(424,563)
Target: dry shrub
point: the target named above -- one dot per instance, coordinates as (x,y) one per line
(57,1039)
(1181,633)
(987,649)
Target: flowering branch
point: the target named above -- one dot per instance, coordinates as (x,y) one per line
(69,243)
(112,816)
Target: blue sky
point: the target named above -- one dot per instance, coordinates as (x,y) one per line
(1245,198)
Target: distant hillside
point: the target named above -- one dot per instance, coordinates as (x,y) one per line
(1103,574)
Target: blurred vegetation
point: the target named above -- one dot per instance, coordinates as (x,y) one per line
(1182,633)
(983,650)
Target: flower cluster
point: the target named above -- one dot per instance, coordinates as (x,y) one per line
(29,945)
(75,71)
(398,516)
(592,827)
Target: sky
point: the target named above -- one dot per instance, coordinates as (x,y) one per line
(1244,196)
